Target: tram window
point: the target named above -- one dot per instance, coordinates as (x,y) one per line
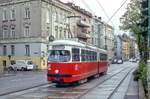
(83,55)
(95,56)
(75,54)
(59,55)
(103,56)
(91,56)
(87,56)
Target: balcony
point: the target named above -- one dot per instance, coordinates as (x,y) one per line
(83,35)
(83,23)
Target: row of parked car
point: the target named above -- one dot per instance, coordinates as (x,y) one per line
(120,61)
(133,60)
(23,65)
(117,61)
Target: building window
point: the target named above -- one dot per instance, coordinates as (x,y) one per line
(4,50)
(27,13)
(56,19)
(60,33)
(47,17)
(27,50)
(26,31)
(56,32)
(4,15)
(5,32)
(12,32)
(64,18)
(60,20)
(12,14)
(65,33)
(12,50)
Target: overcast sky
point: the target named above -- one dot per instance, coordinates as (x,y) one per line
(110,7)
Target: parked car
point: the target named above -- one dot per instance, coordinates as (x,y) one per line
(130,60)
(134,60)
(23,65)
(114,61)
(120,61)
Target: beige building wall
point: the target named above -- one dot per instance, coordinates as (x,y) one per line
(109,40)
(80,23)
(16,17)
(37,15)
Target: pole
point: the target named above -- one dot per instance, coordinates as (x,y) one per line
(99,36)
(148,62)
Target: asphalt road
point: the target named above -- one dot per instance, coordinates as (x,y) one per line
(21,80)
(32,79)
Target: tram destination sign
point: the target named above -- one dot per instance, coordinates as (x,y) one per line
(58,47)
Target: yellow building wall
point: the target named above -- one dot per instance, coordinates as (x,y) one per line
(40,61)
(1,65)
(126,50)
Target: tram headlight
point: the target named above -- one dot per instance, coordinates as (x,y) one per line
(76,67)
(49,67)
(56,71)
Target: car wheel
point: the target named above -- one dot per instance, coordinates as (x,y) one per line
(10,68)
(22,69)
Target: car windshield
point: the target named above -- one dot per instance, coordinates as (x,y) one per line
(29,62)
(59,56)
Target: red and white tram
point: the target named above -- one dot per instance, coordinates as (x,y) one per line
(71,61)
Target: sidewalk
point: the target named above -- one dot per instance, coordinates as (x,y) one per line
(6,74)
(132,92)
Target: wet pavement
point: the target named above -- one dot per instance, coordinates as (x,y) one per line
(113,85)
(107,90)
(132,92)
(21,80)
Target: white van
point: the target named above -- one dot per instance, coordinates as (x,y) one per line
(23,65)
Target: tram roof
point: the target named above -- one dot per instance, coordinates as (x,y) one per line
(75,43)
(67,42)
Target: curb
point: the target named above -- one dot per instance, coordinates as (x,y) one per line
(141,90)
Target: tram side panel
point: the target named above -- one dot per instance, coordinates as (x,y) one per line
(102,63)
(88,69)
(71,72)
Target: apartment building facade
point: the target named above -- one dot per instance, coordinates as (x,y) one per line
(80,23)
(109,40)
(27,26)
(126,47)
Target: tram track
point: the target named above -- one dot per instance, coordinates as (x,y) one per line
(110,96)
(81,90)
(107,79)
(23,89)
(71,92)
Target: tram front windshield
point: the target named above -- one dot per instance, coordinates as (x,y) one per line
(59,56)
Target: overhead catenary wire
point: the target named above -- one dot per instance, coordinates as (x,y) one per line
(104,11)
(117,11)
(87,6)
(110,18)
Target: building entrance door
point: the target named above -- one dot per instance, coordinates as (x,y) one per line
(4,64)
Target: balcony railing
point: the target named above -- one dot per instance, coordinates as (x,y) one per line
(83,23)
(83,35)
